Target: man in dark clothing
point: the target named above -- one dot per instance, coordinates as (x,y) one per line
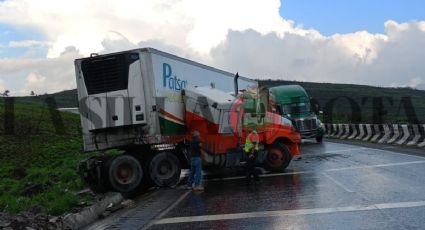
(195,176)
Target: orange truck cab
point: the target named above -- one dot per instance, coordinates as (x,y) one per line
(224,120)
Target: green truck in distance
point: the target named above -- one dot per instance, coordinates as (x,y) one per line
(294,102)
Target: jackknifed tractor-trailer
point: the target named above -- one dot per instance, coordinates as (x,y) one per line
(146,103)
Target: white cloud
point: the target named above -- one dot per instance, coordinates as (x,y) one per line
(415,82)
(115,41)
(26,43)
(199,25)
(41,75)
(393,58)
(245,36)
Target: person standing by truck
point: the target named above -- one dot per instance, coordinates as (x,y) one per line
(195,177)
(251,149)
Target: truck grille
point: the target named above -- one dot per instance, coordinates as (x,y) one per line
(306,125)
(105,74)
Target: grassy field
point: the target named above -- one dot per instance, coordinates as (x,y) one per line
(38,160)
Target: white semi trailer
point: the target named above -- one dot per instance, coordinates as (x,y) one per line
(132,101)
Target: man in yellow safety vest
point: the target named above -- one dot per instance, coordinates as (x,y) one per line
(251,149)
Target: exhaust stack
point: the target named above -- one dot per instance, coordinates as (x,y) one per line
(235,79)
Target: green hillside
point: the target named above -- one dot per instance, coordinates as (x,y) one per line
(63,99)
(39,154)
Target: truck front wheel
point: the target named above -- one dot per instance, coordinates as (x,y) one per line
(164,169)
(278,157)
(125,173)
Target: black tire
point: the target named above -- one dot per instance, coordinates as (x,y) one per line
(164,169)
(278,157)
(319,139)
(124,173)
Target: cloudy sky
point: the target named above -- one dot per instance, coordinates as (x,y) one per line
(360,41)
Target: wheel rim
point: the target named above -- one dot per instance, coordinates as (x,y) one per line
(124,174)
(163,170)
(275,157)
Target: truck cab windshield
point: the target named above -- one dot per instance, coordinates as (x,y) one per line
(295,108)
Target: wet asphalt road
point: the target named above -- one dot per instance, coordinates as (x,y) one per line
(330,186)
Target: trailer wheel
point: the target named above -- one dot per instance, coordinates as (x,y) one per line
(125,173)
(277,158)
(164,169)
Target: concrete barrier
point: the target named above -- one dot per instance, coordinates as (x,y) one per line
(416,135)
(334,130)
(353,132)
(361,132)
(396,134)
(346,131)
(409,135)
(405,135)
(368,132)
(422,144)
(387,133)
(328,129)
(377,133)
(340,131)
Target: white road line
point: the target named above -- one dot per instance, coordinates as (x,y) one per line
(338,183)
(333,151)
(375,166)
(279,213)
(345,150)
(166,211)
(398,153)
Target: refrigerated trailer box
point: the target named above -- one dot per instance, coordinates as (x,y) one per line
(134,97)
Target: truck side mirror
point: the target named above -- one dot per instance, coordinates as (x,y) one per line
(320,112)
